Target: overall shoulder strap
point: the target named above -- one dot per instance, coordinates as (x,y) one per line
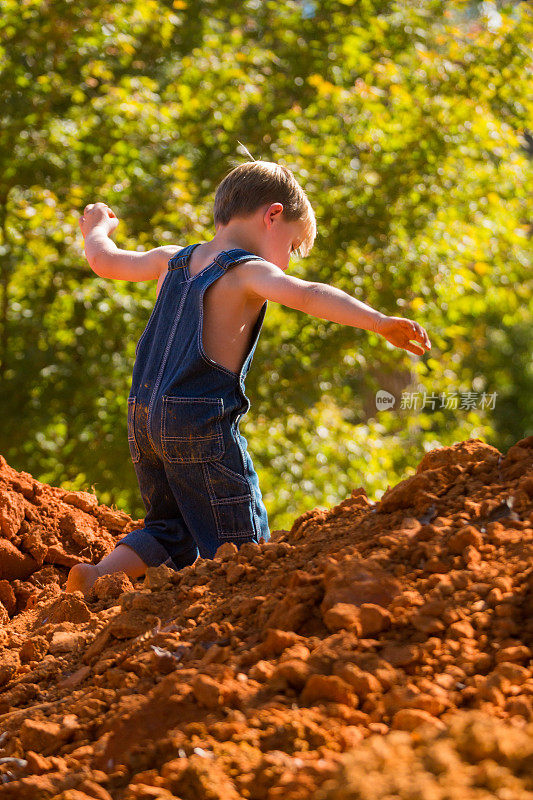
(228,258)
(180,258)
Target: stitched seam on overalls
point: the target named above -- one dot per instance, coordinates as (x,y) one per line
(157,300)
(254,520)
(212,498)
(163,363)
(132,439)
(157,303)
(235,475)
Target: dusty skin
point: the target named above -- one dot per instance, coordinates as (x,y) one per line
(372,651)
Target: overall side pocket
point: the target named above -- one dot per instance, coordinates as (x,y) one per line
(132,441)
(231,501)
(191,429)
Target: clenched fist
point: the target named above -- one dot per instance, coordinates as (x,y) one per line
(401,332)
(98,214)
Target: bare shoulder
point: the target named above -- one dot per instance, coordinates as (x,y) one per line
(166,251)
(170,249)
(256,268)
(267,281)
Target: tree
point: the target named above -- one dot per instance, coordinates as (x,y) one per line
(404,122)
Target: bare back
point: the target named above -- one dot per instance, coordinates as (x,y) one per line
(230,313)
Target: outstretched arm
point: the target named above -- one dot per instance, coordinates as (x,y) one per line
(330,303)
(109,261)
(268,281)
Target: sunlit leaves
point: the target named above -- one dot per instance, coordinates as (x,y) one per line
(404,123)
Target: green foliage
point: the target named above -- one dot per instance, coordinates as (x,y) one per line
(404,122)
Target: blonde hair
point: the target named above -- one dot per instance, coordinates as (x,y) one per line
(254,183)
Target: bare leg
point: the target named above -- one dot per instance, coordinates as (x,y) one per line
(122,559)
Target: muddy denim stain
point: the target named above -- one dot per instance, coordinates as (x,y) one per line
(196,477)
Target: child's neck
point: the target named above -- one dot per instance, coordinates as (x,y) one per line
(231,237)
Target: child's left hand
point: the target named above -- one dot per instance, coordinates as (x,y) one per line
(403,332)
(98,214)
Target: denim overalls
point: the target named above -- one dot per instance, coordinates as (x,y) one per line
(196,477)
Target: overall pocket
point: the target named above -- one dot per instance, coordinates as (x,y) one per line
(132,442)
(191,429)
(231,501)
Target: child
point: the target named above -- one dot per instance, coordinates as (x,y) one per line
(187,397)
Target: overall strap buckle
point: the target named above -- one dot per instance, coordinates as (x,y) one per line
(180,259)
(228,258)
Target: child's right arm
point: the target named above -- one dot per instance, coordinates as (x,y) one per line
(109,261)
(269,282)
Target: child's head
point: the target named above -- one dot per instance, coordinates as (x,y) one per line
(270,192)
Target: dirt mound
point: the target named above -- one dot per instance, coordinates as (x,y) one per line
(43,532)
(365,653)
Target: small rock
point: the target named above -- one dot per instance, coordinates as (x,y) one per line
(130,624)
(356,581)
(194,611)
(461,629)
(427,624)
(515,674)
(362,682)
(399,655)
(11,513)
(76,678)
(13,563)
(293,672)
(34,649)
(342,616)
(37,764)
(66,641)
(85,501)
(288,614)
(374,619)
(514,654)
(163,660)
(108,587)
(408,719)
(463,538)
(7,596)
(44,736)
(328,687)
(114,520)
(157,577)
(249,550)
(519,706)
(261,671)
(207,691)
(9,664)
(277,641)
(235,572)
(68,607)
(226,551)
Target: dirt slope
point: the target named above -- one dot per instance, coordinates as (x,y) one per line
(373,651)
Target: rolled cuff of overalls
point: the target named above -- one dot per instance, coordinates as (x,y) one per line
(147,548)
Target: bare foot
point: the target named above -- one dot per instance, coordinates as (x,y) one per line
(81,577)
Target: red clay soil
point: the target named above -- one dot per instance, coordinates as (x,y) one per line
(378,651)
